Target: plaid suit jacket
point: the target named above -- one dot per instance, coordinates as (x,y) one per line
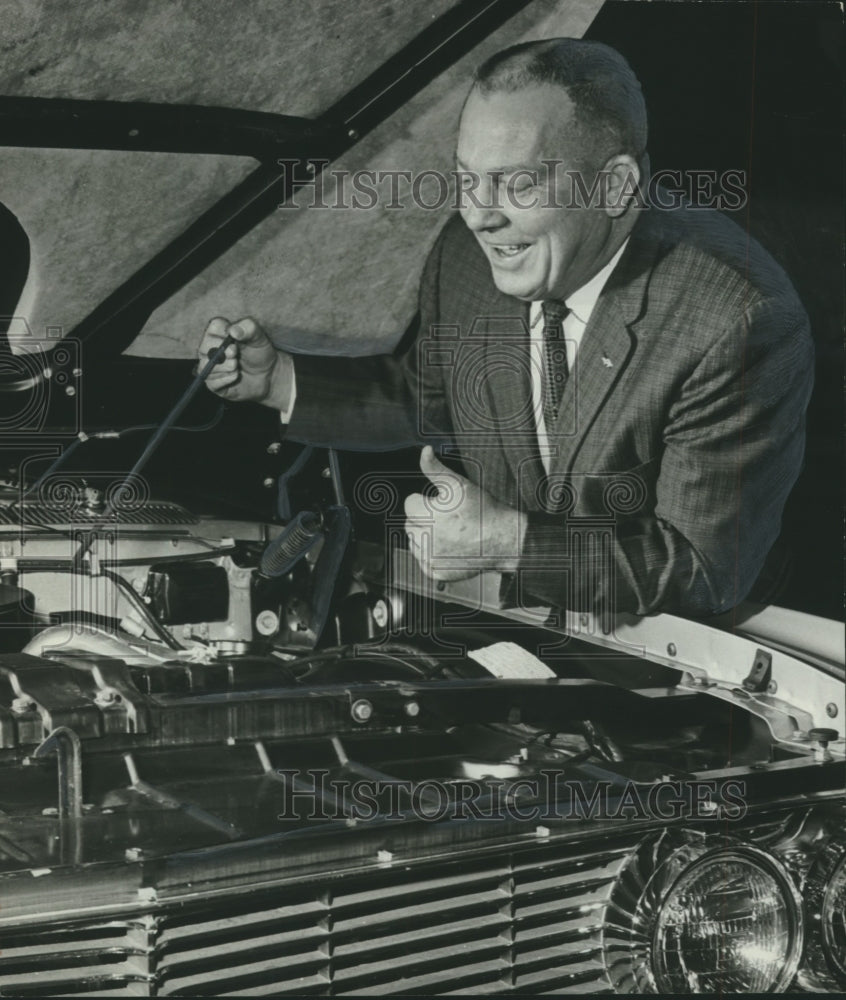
(678,439)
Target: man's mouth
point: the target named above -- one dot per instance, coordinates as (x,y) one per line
(506,250)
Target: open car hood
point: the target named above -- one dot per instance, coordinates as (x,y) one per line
(95,215)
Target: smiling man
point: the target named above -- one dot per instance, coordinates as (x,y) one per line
(624,387)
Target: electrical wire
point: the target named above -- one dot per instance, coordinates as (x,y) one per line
(214,358)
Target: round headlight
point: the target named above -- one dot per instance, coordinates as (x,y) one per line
(728,925)
(702,914)
(834,920)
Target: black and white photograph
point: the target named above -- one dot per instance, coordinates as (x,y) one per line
(422,498)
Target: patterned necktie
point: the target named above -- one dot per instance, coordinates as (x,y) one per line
(555,369)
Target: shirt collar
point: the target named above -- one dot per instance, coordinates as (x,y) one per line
(581,303)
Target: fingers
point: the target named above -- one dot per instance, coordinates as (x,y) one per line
(215,333)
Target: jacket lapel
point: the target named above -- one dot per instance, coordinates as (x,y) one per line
(608,345)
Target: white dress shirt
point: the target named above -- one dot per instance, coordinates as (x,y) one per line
(581,304)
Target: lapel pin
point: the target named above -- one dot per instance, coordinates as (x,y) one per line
(607,361)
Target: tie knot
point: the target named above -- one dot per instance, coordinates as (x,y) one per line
(554,314)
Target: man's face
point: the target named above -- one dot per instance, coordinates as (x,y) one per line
(544,250)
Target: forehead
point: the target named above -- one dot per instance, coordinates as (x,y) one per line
(522,127)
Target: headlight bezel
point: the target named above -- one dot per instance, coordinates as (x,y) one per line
(823,969)
(645,887)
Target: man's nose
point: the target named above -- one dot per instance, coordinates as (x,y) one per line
(481,217)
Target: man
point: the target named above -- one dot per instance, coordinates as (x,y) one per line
(625,387)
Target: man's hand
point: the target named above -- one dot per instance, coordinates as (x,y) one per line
(462,530)
(252,370)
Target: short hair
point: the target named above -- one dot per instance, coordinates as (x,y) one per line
(609,107)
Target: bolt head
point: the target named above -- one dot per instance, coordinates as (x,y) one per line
(411,709)
(381,613)
(268,482)
(831,710)
(671,649)
(361,710)
(274,448)
(267,622)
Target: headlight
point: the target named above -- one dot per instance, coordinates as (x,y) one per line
(728,925)
(695,914)
(825,908)
(834,921)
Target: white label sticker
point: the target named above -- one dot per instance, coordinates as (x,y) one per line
(509,661)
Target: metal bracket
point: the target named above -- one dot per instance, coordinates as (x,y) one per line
(760,674)
(68,749)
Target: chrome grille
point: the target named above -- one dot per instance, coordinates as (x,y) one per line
(526,921)
(109,959)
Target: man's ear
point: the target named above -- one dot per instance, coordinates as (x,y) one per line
(622,187)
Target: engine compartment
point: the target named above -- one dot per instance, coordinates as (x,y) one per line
(192,698)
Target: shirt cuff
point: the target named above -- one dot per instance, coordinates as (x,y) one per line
(285,415)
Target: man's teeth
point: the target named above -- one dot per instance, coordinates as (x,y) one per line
(510,249)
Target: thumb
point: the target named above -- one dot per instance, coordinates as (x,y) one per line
(430,465)
(244,330)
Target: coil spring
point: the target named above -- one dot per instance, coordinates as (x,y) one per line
(284,551)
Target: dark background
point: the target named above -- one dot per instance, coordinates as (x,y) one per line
(759,87)
(750,86)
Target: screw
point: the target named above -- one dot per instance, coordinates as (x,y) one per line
(361,710)
(326,473)
(441,585)
(671,649)
(311,168)
(274,448)
(133,853)
(76,372)
(70,390)
(411,709)
(268,482)
(584,621)
(831,710)
(542,832)
(772,687)
(353,134)
(381,614)
(384,857)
